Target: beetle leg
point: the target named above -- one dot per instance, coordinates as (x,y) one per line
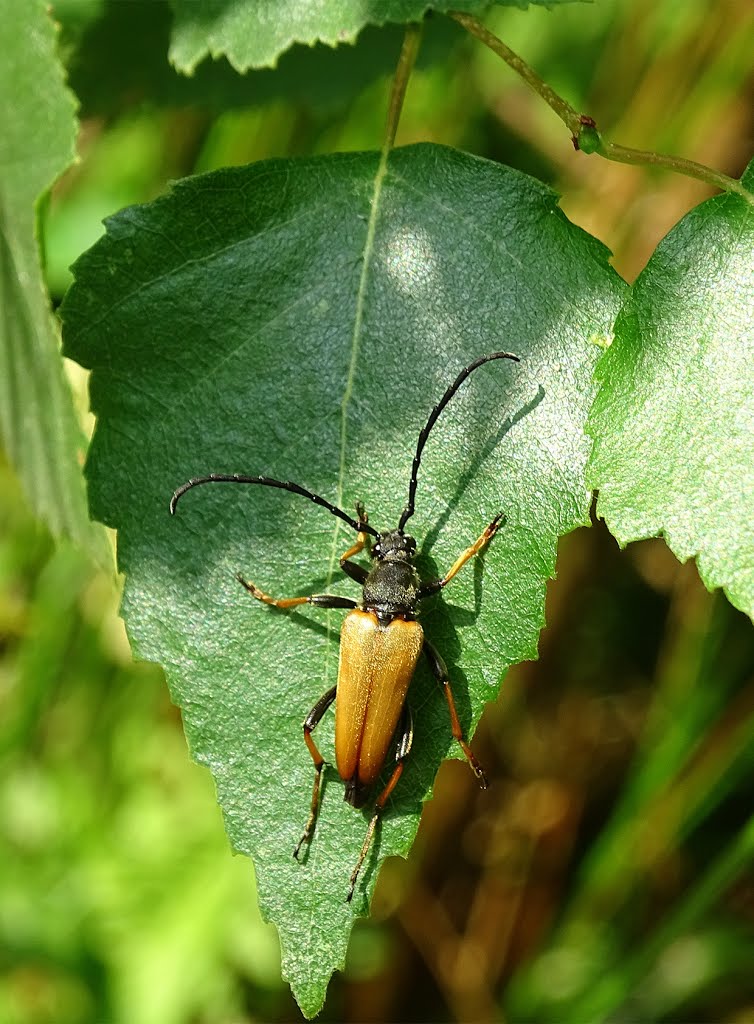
(440,672)
(310,724)
(357,572)
(401,753)
(320,600)
(432,586)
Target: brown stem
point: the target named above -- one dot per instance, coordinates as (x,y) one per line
(406,61)
(583,128)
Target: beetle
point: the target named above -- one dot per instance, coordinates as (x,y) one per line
(380,641)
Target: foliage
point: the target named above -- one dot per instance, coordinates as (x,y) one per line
(37,421)
(298,317)
(365,294)
(254,34)
(674,449)
(120,56)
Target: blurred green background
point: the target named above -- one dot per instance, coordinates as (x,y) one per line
(606,874)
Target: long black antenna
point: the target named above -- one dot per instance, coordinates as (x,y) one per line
(266,481)
(409,509)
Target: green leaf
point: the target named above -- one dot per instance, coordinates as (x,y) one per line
(38,425)
(299,319)
(254,33)
(674,419)
(121,58)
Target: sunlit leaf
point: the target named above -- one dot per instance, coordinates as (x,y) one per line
(300,319)
(674,418)
(254,33)
(121,59)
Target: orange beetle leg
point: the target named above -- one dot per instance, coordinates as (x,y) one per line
(312,721)
(357,572)
(440,672)
(401,753)
(320,600)
(489,532)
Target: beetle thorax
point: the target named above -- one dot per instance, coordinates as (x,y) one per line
(391,589)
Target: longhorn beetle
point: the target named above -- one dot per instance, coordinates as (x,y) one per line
(380,641)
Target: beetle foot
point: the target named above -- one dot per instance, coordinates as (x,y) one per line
(361,513)
(495,525)
(475,767)
(305,838)
(251,587)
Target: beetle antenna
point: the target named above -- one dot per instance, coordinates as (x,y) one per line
(266,481)
(408,511)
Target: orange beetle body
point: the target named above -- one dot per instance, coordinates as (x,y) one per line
(376,665)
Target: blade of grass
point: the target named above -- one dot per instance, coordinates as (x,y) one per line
(610,993)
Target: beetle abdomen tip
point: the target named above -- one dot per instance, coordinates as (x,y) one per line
(356,793)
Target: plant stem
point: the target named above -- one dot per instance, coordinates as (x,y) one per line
(406,61)
(584,129)
(626,155)
(570,117)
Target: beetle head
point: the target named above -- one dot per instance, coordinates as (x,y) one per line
(394,546)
